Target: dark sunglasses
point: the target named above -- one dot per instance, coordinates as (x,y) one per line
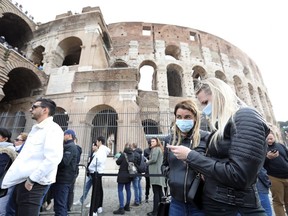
(35,106)
(18,140)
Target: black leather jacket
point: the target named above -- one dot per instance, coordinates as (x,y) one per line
(178,173)
(231,169)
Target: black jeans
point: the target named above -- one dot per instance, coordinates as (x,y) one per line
(147,186)
(157,195)
(29,202)
(99,193)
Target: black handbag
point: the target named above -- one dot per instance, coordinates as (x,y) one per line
(164,205)
(195,191)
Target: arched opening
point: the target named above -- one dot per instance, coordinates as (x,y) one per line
(61,118)
(174,79)
(70,50)
(22,83)
(105,124)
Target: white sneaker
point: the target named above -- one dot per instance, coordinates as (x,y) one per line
(78,202)
(95,214)
(99,210)
(88,205)
(51,204)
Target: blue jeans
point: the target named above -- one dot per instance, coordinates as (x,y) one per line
(186,209)
(265,202)
(87,188)
(121,196)
(137,189)
(60,193)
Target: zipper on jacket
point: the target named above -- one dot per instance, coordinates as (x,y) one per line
(185,183)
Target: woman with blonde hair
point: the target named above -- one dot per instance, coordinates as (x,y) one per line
(186,132)
(235,153)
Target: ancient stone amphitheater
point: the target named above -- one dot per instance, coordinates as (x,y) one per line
(119,80)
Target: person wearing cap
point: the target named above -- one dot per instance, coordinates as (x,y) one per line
(65,174)
(35,168)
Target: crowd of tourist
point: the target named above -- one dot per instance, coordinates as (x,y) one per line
(238,159)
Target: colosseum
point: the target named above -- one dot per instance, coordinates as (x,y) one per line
(120,80)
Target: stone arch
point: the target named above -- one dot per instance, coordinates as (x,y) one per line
(17,61)
(37,55)
(8,7)
(148,75)
(172,51)
(15,29)
(104,122)
(199,72)
(220,75)
(119,63)
(247,73)
(174,79)
(69,51)
(22,83)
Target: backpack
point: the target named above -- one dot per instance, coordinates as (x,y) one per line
(142,166)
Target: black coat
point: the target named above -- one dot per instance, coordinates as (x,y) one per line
(67,169)
(123,174)
(179,175)
(231,169)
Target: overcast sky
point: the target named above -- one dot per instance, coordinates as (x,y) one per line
(257,27)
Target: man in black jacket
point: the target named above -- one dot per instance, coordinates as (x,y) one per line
(65,175)
(276,164)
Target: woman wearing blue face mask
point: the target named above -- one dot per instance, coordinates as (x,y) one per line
(235,152)
(185,133)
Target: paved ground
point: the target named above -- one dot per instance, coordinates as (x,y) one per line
(111,202)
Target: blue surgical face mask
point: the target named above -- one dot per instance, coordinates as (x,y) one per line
(207,110)
(185,125)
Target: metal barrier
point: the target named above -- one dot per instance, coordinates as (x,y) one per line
(95,179)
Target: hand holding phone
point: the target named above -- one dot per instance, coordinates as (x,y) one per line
(273,150)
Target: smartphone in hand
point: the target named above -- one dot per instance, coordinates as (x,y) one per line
(274,150)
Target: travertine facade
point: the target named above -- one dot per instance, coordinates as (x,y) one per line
(89,66)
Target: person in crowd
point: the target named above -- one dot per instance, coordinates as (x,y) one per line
(147,178)
(18,144)
(20,141)
(41,155)
(66,173)
(263,185)
(71,189)
(235,152)
(89,176)
(276,164)
(98,165)
(7,156)
(185,132)
(123,178)
(137,179)
(157,182)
